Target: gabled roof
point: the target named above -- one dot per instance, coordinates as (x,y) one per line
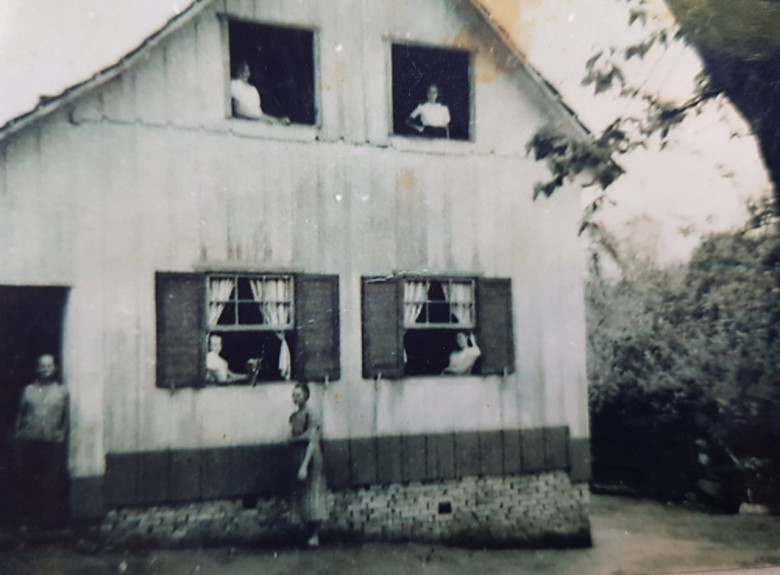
(47,105)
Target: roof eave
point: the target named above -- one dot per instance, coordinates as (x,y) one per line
(547,89)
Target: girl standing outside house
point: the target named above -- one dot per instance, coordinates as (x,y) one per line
(306,432)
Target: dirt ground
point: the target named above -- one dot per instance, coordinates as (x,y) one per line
(629,536)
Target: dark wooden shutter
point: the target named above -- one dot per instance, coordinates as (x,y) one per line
(494,317)
(181,301)
(317,328)
(382,332)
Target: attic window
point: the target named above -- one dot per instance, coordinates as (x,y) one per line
(276,64)
(431,92)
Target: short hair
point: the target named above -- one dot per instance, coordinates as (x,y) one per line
(304,388)
(241,64)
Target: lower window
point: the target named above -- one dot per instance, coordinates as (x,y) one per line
(245,329)
(436,326)
(250,321)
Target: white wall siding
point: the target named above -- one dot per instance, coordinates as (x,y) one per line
(147,174)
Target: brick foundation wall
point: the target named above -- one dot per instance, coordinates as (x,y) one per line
(514,510)
(542,509)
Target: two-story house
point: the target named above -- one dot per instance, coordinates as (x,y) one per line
(336,240)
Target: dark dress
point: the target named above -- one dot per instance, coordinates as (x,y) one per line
(40,456)
(310,495)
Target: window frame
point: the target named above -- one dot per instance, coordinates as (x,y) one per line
(237,326)
(184,336)
(427,302)
(383,332)
(225,20)
(390,42)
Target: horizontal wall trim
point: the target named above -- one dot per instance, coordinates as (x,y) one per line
(308,134)
(183,475)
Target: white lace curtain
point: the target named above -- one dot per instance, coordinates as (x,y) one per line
(460,295)
(415,295)
(273,297)
(220,290)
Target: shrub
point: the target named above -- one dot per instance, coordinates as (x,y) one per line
(698,349)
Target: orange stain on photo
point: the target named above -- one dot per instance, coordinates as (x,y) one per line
(508,16)
(407,181)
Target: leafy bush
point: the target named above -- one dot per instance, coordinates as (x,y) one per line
(698,349)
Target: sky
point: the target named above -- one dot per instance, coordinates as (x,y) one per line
(711,166)
(663,205)
(47,45)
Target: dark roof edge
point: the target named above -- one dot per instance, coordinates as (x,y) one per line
(47,105)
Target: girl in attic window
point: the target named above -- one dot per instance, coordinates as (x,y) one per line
(431,118)
(245,98)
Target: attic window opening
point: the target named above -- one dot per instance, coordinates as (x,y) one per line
(431,92)
(272,73)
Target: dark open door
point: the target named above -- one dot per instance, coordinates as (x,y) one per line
(30,325)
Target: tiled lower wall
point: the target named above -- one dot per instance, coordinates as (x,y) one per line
(541,509)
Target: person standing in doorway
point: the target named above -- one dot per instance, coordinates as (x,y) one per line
(40,451)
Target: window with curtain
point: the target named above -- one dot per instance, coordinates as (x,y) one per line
(253,317)
(422,336)
(245,328)
(435,311)
(445,303)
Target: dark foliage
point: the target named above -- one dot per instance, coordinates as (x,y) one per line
(698,350)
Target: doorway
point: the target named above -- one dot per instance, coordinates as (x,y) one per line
(31,322)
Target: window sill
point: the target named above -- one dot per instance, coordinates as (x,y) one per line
(210,388)
(246,384)
(443,376)
(261,130)
(443,380)
(431,145)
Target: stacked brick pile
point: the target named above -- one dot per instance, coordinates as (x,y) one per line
(536,509)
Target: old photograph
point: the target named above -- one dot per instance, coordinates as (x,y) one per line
(389,286)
